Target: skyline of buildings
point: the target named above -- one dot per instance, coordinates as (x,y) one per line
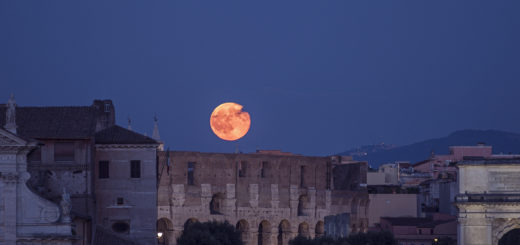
(96,181)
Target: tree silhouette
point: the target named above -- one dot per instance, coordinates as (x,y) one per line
(210,233)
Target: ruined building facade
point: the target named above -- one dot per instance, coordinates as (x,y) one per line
(270,197)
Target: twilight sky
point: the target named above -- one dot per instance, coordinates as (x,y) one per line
(317,77)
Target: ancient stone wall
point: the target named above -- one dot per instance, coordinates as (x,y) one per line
(270,198)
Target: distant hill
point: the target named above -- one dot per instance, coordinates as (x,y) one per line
(502,142)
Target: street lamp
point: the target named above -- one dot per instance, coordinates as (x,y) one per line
(160,238)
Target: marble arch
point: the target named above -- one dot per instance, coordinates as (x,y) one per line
(488,200)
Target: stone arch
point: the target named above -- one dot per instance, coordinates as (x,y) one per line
(165,228)
(189,222)
(504,228)
(243,228)
(303,230)
(284,232)
(320,229)
(303,205)
(510,238)
(264,233)
(216,204)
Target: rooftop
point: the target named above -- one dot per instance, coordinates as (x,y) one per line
(119,135)
(62,122)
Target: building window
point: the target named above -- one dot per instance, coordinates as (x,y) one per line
(302,176)
(120,201)
(103,170)
(431,231)
(135,169)
(121,227)
(263,171)
(420,231)
(107,107)
(217,201)
(191,172)
(63,151)
(242,168)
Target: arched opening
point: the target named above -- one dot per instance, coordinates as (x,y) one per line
(216,204)
(284,232)
(190,222)
(510,238)
(303,206)
(243,228)
(303,230)
(264,233)
(320,229)
(165,231)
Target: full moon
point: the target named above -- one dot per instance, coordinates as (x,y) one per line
(229,122)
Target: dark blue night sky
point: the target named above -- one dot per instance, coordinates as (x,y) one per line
(317,77)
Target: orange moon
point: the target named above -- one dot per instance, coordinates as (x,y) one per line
(229,122)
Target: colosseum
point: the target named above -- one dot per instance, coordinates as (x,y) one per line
(270,196)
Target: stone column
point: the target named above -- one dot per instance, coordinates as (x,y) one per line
(275,197)
(274,235)
(311,192)
(177,232)
(9,184)
(460,230)
(205,197)
(230,201)
(178,195)
(253,195)
(476,231)
(294,195)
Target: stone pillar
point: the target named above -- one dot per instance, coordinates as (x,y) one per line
(275,197)
(294,195)
(460,230)
(476,231)
(253,237)
(274,235)
(205,197)
(9,184)
(253,195)
(311,192)
(177,232)
(230,201)
(178,195)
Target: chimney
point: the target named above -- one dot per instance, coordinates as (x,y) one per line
(104,113)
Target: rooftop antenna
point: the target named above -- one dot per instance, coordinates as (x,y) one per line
(129,123)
